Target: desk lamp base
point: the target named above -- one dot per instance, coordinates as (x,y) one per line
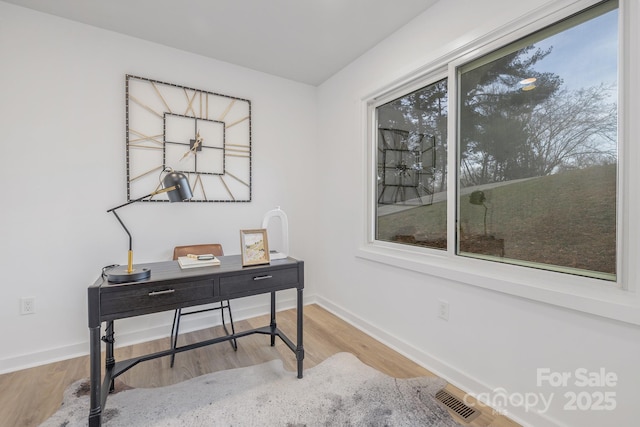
(121,274)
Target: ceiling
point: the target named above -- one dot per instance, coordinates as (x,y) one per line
(302,40)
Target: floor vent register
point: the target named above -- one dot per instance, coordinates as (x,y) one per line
(465,412)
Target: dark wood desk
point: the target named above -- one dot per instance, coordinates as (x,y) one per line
(171,287)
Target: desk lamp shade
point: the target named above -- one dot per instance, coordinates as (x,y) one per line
(177,187)
(182,189)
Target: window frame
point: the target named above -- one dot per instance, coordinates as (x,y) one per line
(616,300)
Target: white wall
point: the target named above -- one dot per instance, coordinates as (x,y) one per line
(62,141)
(492,340)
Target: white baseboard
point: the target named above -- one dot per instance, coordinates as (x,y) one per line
(439,367)
(163,330)
(30,360)
(454,376)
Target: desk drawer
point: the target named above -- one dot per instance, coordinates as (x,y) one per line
(142,299)
(247,284)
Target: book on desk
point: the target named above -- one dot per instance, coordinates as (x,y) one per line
(194,262)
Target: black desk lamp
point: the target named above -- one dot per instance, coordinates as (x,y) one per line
(178,189)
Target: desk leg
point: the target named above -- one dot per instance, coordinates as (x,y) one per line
(300,347)
(273,319)
(109,339)
(95,410)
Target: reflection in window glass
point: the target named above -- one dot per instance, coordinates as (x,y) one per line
(411,159)
(538,149)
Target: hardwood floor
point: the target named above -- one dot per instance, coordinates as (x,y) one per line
(30,396)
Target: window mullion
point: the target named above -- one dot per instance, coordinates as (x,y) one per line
(452,161)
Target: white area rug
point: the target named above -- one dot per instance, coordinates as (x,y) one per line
(341,391)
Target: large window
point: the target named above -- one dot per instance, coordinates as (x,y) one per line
(536,153)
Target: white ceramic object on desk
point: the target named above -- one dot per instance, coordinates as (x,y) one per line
(281,249)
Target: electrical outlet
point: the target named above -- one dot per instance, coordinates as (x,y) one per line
(443,309)
(27,305)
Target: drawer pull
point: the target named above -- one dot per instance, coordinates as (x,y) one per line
(155,293)
(262,277)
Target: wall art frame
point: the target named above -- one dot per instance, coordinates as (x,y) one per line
(202,134)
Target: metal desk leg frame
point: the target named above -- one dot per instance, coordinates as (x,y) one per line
(110,361)
(299,347)
(94,360)
(273,324)
(299,350)
(96,397)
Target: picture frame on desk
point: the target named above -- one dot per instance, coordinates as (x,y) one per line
(254,246)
